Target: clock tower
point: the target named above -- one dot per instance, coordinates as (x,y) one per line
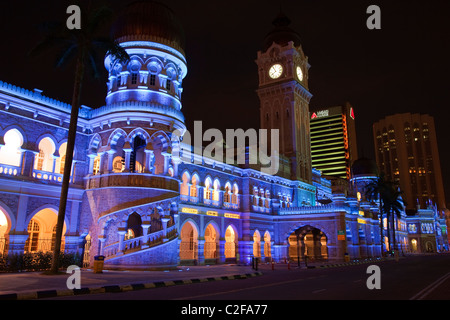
(284,95)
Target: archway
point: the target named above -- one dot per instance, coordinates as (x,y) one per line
(42,232)
(267,246)
(4,228)
(257,244)
(230,243)
(211,243)
(309,242)
(189,243)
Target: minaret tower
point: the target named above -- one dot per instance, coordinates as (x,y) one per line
(150,84)
(284,95)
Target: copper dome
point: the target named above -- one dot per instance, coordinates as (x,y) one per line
(149,21)
(281,34)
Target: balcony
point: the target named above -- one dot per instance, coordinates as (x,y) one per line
(124,179)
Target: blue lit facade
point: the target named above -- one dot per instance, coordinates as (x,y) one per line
(133,200)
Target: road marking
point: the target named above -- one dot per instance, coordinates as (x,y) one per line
(248,288)
(425,292)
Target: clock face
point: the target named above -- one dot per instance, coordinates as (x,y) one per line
(275,71)
(299,73)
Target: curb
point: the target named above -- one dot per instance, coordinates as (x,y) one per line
(352,263)
(118,288)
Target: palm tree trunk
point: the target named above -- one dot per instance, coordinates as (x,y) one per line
(394,242)
(76,101)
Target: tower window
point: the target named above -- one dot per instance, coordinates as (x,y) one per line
(168,84)
(134,78)
(152,79)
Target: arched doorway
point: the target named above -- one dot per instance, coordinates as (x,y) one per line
(309,242)
(211,245)
(4,228)
(230,244)
(257,244)
(189,244)
(267,246)
(42,232)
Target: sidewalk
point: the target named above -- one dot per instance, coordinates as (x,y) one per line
(36,285)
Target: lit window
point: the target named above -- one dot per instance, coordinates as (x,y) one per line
(44,159)
(10,153)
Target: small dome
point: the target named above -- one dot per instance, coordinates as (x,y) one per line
(364,166)
(149,21)
(281,34)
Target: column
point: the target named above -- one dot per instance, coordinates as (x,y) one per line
(166,156)
(164,225)
(91,157)
(101,239)
(109,167)
(221,254)
(145,226)
(127,149)
(121,233)
(149,157)
(201,252)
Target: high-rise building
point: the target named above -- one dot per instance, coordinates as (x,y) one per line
(333,140)
(407,152)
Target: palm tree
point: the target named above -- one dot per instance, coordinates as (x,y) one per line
(375,190)
(393,206)
(83,45)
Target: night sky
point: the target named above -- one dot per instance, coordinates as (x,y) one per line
(403,67)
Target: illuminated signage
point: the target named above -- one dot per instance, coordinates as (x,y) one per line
(320,114)
(231,215)
(341,235)
(361,221)
(189,210)
(212,213)
(352,114)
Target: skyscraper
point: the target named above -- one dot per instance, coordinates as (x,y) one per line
(407,152)
(333,140)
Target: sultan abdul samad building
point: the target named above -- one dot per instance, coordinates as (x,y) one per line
(133,199)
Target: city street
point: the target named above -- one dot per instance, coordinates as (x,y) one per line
(411,278)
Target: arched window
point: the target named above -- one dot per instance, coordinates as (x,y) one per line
(60,162)
(227,193)
(195,180)
(96,168)
(31,245)
(184,187)
(216,190)
(10,153)
(118,164)
(234,196)
(207,191)
(44,159)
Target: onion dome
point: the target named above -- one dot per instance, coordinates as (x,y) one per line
(149,21)
(281,34)
(364,167)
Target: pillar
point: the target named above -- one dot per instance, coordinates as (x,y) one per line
(121,233)
(145,226)
(149,157)
(166,156)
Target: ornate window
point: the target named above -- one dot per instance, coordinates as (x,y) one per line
(10,153)
(31,245)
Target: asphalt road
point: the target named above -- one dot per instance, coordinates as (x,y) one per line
(411,278)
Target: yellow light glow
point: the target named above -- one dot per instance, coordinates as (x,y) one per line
(362,221)
(212,213)
(189,210)
(232,215)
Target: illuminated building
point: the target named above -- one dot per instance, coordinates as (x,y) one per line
(333,141)
(407,152)
(134,200)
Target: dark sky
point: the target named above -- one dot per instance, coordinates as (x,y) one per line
(403,67)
